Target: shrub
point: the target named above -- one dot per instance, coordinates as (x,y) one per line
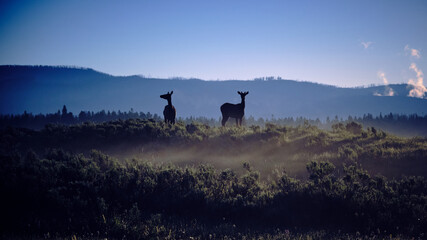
(354,127)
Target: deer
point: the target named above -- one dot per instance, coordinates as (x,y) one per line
(169,113)
(234,110)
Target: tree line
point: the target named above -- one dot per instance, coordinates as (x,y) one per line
(398,124)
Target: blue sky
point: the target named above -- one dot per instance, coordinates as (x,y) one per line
(344,43)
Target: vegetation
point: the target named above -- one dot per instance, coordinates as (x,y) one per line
(266,148)
(53,185)
(398,124)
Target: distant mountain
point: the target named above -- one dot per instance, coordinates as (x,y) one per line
(45,89)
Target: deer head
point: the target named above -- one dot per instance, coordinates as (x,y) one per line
(242,94)
(167,96)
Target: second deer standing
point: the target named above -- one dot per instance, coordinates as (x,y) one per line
(236,111)
(169,113)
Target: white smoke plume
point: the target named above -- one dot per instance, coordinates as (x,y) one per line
(413,52)
(418,89)
(388,90)
(366,44)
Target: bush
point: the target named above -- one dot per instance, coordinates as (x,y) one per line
(353,127)
(66,193)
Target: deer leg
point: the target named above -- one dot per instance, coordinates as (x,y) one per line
(237,121)
(224,120)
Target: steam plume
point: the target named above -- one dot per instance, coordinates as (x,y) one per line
(366,44)
(388,90)
(412,51)
(418,89)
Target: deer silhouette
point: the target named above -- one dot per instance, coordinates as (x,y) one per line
(169,113)
(234,110)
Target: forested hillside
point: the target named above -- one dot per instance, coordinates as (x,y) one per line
(310,162)
(39,89)
(148,179)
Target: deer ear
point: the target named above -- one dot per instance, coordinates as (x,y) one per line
(247,92)
(238,92)
(171,92)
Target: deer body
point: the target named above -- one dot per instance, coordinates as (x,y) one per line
(236,111)
(169,112)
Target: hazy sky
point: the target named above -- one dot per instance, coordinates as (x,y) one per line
(344,43)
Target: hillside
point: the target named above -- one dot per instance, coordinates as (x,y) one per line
(149,180)
(45,89)
(268,148)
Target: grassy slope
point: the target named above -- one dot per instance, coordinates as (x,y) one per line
(71,193)
(266,149)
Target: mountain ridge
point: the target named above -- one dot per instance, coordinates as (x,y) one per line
(43,89)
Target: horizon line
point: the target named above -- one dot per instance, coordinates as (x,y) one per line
(264,78)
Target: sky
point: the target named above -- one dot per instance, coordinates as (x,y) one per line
(342,43)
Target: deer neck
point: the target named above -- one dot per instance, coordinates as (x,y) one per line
(243,103)
(170,102)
